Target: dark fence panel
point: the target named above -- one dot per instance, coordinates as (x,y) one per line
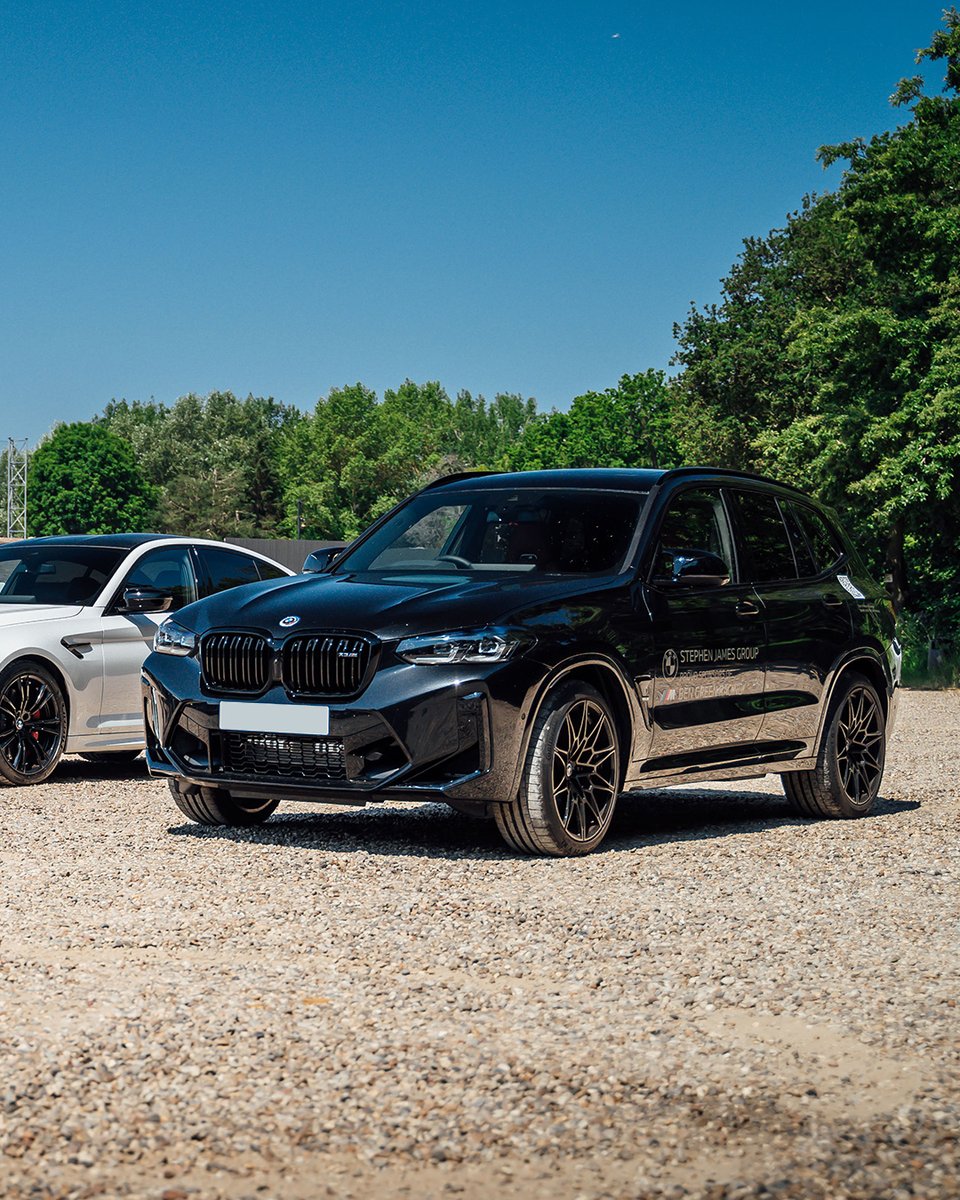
(289,551)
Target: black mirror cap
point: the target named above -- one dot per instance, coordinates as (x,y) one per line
(143,599)
(699,568)
(319,560)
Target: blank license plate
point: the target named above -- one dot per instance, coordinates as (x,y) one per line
(274,718)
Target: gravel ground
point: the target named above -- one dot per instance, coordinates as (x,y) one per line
(726,1001)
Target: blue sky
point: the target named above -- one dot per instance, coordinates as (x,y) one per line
(283,197)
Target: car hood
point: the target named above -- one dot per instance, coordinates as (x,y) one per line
(21,614)
(386,606)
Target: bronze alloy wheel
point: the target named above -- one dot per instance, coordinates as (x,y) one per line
(846,777)
(571,777)
(32,725)
(860,746)
(584,770)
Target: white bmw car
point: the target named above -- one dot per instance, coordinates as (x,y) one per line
(77,618)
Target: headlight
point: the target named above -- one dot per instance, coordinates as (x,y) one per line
(474,646)
(172,638)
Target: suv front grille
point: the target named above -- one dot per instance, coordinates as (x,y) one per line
(327,665)
(330,664)
(235,662)
(279,756)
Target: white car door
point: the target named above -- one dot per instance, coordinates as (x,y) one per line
(127,637)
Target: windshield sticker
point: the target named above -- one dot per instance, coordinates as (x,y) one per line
(847,585)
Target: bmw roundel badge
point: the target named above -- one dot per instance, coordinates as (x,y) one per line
(286,622)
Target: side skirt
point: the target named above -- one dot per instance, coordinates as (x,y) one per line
(755,769)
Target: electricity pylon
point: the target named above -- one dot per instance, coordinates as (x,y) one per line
(16,488)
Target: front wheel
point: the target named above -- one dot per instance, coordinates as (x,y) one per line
(33,723)
(850,758)
(215,806)
(571,777)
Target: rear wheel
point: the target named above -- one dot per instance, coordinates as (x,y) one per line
(215,806)
(850,759)
(33,723)
(571,777)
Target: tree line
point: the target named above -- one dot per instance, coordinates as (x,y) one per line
(831,361)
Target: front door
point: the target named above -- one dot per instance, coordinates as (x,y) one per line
(128,637)
(709,642)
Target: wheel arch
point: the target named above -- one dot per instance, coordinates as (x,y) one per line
(39,659)
(602,675)
(864,661)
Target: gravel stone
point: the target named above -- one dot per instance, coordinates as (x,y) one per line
(726,1001)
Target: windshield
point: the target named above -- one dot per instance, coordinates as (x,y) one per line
(549,532)
(55,574)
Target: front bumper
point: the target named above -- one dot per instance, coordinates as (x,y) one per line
(415,733)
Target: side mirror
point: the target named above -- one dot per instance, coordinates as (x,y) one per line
(698,569)
(144,599)
(319,560)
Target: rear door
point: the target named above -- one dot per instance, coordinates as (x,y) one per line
(708,683)
(792,559)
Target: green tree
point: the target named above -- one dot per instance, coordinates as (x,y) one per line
(330,464)
(626,426)
(833,359)
(214,459)
(85,479)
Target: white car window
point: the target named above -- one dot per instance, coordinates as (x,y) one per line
(168,569)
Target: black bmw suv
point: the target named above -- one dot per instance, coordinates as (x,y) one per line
(529,646)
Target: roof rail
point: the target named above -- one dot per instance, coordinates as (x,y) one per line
(458,477)
(726,472)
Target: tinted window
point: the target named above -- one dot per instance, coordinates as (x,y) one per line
(268,570)
(768,552)
(226,569)
(806,566)
(561,531)
(55,574)
(167,569)
(826,545)
(695,520)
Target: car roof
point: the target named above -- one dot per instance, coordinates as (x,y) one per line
(606,478)
(603,478)
(121,541)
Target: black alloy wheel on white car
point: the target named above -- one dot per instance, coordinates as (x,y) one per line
(33,723)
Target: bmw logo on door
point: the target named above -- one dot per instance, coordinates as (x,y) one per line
(286,622)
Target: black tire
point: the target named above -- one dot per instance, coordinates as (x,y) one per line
(33,723)
(571,777)
(215,806)
(114,758)
(850,758)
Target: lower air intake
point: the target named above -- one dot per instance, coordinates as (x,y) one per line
(280,756)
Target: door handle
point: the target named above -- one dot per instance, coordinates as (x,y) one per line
(832,601)
(747,608)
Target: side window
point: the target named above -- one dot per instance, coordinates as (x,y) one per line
(825,544)
(768,555)
(169,570)
(806,565)
(225,569)
(695,520)
(268,570)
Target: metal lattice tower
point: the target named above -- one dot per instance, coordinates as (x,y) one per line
(16,488)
